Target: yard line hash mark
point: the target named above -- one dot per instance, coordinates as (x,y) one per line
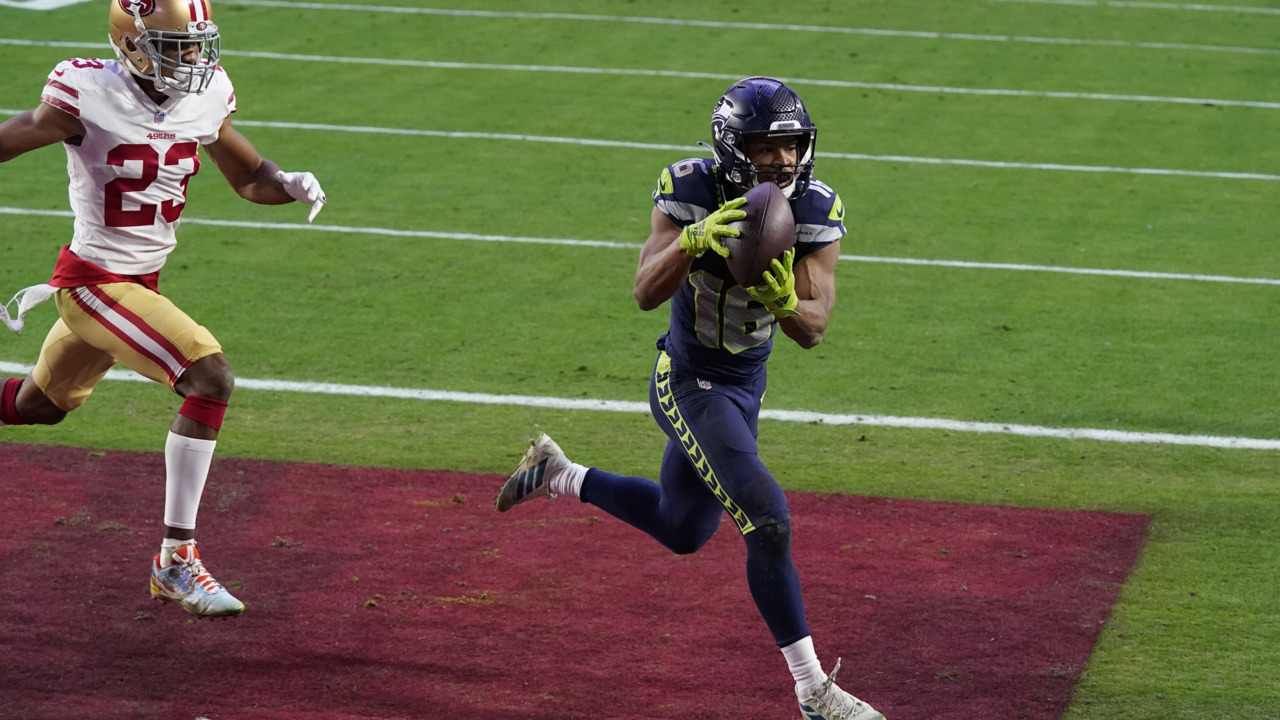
(573,242)
(1152,6)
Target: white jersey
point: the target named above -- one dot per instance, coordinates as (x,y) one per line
(129,173)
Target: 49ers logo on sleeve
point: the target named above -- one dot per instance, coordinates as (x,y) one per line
(145,7)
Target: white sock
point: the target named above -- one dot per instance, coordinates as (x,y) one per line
(167,546)
(186,462)
(568,482)
(803,662)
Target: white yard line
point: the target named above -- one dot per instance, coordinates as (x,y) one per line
(907,159)
(55,4)
(573,242)
(1193,7)
(794,416)
(723,77)
(768,27)
(40,4)
(996,164)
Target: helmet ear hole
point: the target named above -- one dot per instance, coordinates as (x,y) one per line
(129,45)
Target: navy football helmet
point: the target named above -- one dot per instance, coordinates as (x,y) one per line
(761,106)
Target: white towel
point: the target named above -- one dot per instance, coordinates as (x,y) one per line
(25,299)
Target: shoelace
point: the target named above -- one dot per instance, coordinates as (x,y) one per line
(841,703)
(199,575)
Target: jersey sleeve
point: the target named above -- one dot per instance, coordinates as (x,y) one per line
(223,100)
(686,191)
(62,88)
(230,91)
(819,218)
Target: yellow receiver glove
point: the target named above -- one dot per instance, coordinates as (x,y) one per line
(777,292)
(705,234)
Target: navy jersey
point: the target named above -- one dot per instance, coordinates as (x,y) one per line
(716,327)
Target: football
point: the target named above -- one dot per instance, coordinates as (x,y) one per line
(765,233)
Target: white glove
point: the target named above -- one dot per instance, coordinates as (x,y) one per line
(303,187)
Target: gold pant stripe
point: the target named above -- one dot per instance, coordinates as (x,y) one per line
(662,381)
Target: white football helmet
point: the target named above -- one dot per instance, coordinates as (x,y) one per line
(157,40)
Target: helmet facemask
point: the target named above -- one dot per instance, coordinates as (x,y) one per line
(745,174)
(159,56)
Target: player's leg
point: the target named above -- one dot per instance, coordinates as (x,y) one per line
(23,403)
(148,334)
(205,387)
(715,427)
(30,406)
(721,423)
(679,512)
(64,376)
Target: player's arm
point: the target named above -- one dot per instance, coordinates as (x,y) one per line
(663,264)
(662,269)
(36,128)
(256,178)
(815,275)
(249,174)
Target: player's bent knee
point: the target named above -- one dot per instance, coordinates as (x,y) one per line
(40,415)
(22,403)
(49,415)
(209,377)
(685,545)
(773,538)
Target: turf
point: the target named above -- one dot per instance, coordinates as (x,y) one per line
(396,593)
(1119,353)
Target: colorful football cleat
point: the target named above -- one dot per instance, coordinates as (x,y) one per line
(826,701)
(187,584)
(532,477)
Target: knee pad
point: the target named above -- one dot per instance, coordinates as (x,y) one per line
(773,539)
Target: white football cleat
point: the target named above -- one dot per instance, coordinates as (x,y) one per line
(826,701)
(187,584)
(532,477)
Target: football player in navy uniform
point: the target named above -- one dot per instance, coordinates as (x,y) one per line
(710,373)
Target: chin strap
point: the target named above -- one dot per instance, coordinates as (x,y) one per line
(24,300)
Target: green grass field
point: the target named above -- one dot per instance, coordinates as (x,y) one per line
(928,169)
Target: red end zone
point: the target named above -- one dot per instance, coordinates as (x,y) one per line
(404,594)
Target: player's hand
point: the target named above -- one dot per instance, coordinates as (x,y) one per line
(705,234)
(303,187)
(777,291)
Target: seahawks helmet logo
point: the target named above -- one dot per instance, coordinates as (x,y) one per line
(720,116)
(144,7)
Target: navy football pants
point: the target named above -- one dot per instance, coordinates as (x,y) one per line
(711,466)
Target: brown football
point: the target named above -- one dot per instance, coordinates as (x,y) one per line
(765,233)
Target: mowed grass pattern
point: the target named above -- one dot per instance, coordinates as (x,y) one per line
(1194,634)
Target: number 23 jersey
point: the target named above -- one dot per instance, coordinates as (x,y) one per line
(129,172)
(717,328)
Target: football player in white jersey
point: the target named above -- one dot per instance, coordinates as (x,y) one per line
(132,128)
